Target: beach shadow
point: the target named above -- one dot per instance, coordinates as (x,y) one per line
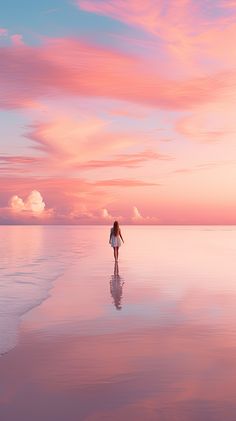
(116,287)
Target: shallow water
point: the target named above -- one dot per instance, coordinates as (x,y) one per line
(153,338)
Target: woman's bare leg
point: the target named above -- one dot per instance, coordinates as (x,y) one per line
(117,252)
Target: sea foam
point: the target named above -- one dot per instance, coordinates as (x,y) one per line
(30,263)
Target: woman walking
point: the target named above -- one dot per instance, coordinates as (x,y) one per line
(115,239)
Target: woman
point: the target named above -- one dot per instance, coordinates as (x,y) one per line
(115,236)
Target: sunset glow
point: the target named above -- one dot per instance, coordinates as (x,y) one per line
(118,109)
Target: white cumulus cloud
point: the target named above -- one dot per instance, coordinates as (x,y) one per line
(136,214)
(16,203)
(106,214)
(33,203)
(138,218)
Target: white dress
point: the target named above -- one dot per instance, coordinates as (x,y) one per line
(115,240)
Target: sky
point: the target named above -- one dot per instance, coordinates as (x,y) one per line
(115,109)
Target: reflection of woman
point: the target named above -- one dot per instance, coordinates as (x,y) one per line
(116,285)
(115,239)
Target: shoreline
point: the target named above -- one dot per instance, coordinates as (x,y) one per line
(80,359)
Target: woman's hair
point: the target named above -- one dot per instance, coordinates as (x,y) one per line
(116,228)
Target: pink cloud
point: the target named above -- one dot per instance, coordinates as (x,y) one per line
(227,4)
(192,41)
(32,209)
(158,17)
(128,112)
(16,204)
(199,79)
(206,166)
(138,218)
(17,40)
(31,73)
(129,160)
(73,200)
(136,214)
(122,182)
(77,201)
(20,164)
(68,201)
(3,32)
(105,214)
(73,143)
(146,15)
(132,216)
(210,122)
(18,159)
(69,144)
(69,138)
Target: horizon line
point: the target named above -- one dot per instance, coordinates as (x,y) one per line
(131,225)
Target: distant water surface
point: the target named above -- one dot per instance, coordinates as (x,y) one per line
(153,338)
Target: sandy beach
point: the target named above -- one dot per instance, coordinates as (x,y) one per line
(155,342)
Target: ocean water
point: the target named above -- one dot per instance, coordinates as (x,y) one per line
(32,258)
(152,338)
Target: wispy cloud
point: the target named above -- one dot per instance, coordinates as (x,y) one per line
(32,73)
(126,160)
(109,117)
(123,182)
(191,35)
(205,166)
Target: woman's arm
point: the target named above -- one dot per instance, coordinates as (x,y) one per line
(110,235)
(121,236)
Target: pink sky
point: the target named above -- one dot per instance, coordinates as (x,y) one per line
(134,118)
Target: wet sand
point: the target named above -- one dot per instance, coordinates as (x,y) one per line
(155,341)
